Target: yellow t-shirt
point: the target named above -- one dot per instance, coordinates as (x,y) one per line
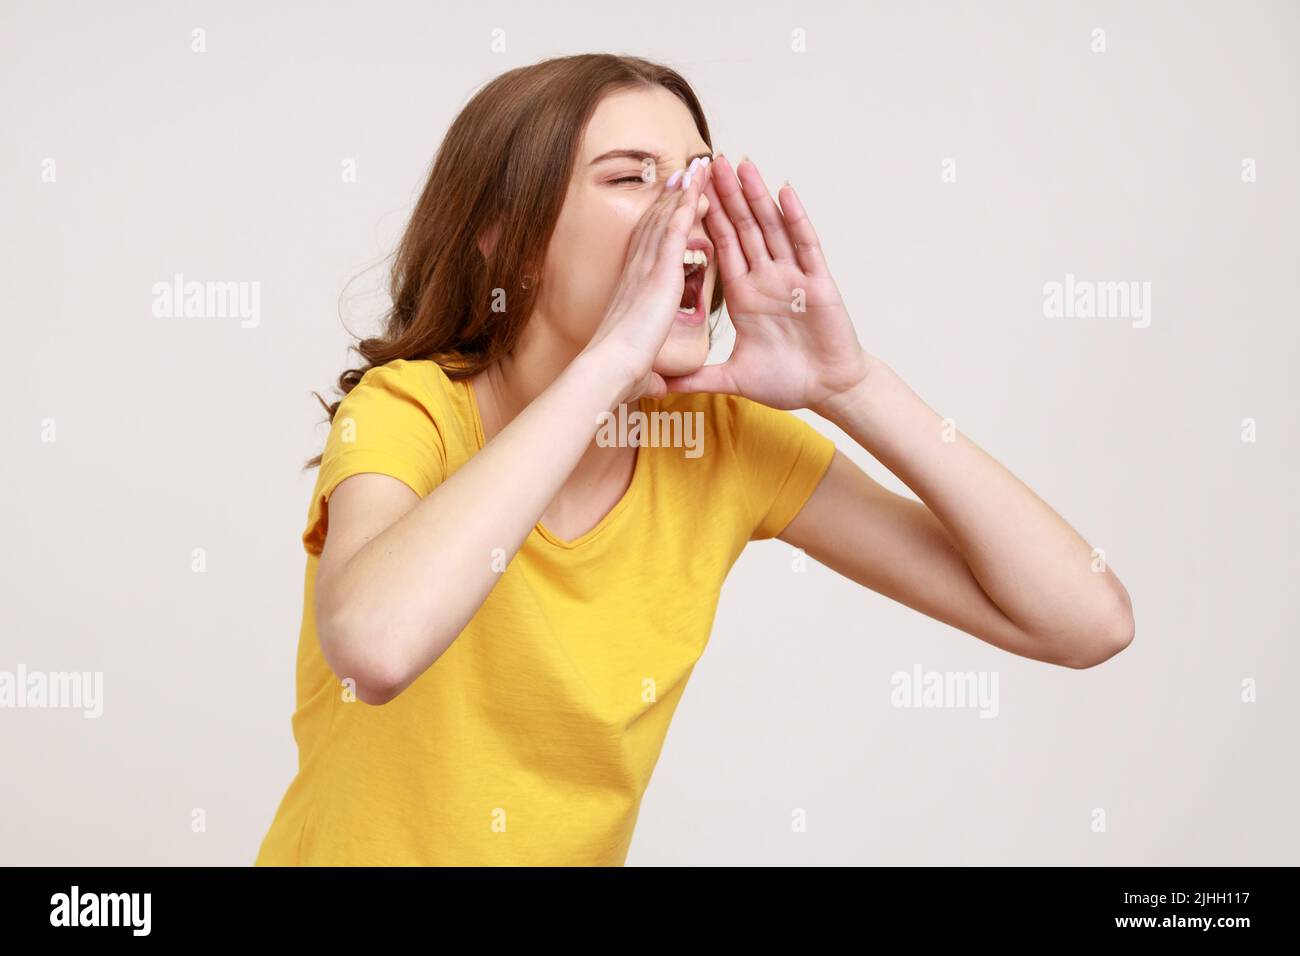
(531,740)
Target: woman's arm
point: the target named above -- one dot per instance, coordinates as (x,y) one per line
(399,576)
(982,553)
(987,555)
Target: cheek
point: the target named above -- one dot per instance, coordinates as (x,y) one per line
(613,233)
(594,251)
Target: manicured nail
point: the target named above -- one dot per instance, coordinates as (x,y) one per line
(672,180)
(686,181)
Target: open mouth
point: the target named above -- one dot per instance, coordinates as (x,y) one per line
(695,263)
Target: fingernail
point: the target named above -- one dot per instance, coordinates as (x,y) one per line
(705,160)
(686,180)
(672,180)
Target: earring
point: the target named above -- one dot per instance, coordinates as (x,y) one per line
(527,280)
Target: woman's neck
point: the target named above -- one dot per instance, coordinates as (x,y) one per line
(509,385)
(513,381)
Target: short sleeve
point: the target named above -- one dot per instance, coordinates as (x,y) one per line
(782,458)
(388,425)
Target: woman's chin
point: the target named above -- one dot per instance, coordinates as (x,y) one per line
(686,349)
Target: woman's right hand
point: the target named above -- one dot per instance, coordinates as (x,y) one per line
(645,302)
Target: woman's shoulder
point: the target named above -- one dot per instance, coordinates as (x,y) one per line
(765,460)
(423,377)
(412,400)
(403,386)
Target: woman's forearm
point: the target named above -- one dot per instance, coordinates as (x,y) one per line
(1039,571)
(408,592)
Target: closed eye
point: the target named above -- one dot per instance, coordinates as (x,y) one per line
(628,179)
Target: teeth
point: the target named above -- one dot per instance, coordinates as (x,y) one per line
(690,311)
(693,259)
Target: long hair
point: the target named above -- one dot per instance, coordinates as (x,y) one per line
(506,160)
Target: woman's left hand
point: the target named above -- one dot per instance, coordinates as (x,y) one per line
(795,343)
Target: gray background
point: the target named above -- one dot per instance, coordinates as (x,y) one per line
(176,434)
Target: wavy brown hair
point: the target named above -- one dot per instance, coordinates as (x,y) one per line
(507,159)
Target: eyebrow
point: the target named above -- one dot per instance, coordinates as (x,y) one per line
(640,155)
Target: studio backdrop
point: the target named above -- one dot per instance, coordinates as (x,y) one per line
(1071,227)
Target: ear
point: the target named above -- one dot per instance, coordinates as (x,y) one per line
(488,241)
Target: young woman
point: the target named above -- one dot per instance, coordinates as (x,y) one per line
(502,604)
